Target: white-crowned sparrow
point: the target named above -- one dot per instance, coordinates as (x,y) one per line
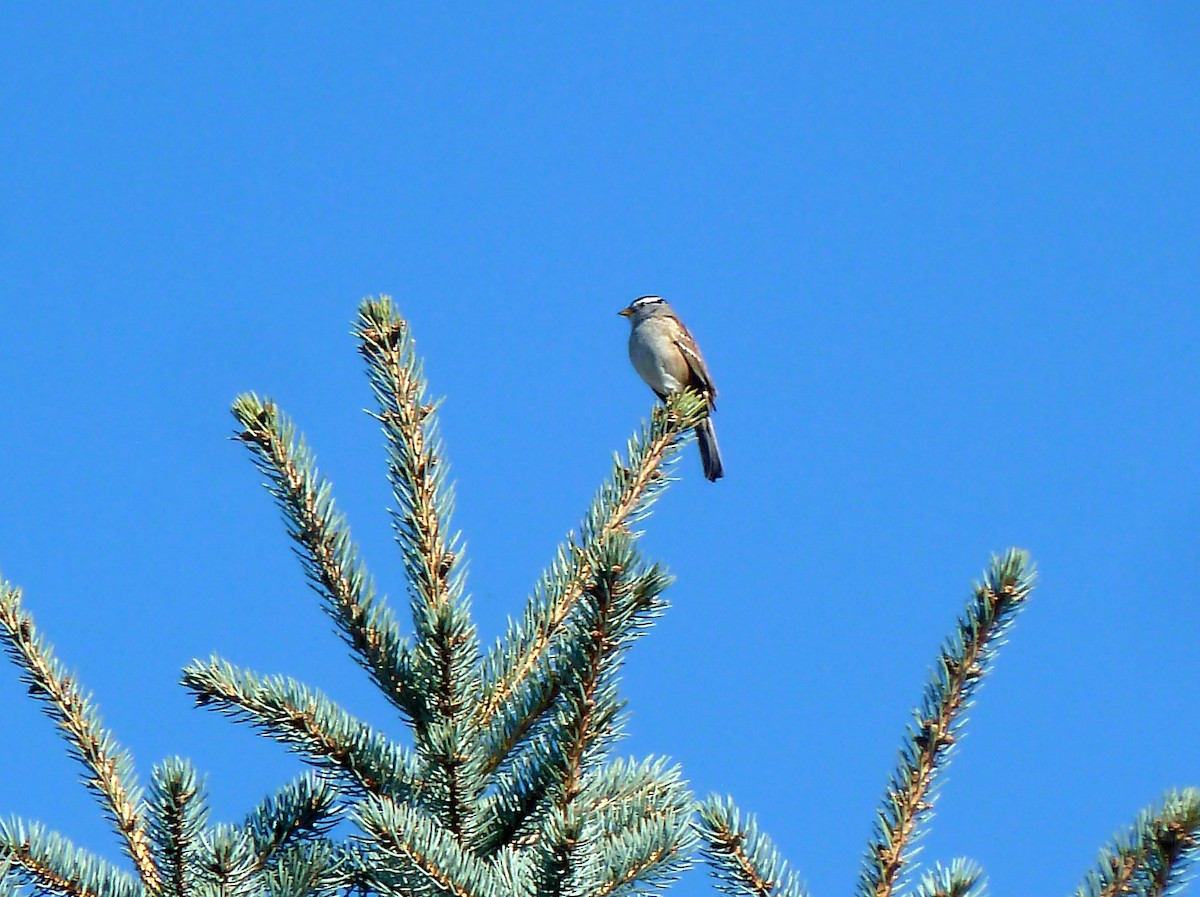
(668,359)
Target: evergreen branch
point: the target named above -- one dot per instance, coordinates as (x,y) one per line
(587,712)
(50,863)
(613,798)
(418,843)
(386,876)
(623,792)
(302,810)
(451,780)
(528,706)
(964,660)
(618,793)
(742,859)
(307,869)
(447,645)
(962,878)
(531,703)
(177,813)
(559,856)
(415,466)
(10,884)
(579,855)
(1152,859)
(649,854)
(615,610)
(110,769)
(325,547)
(625,499)
(225,862)
(637,825)
(309,723)
(513,811)
(354,861)
(515,870)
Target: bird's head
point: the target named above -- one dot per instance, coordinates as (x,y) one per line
(645,307)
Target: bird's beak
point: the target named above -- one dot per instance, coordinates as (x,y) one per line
(625,312)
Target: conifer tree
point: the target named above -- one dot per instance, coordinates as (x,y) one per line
(280,848)
(1149,861)
(509,786)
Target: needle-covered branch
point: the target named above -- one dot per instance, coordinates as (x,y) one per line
(625,791)
(517,687)
(325,547)
(638,821)
(417,469)
(555,764)
(302,810)
(1153,858)
(576,844)
(647,855)
(178,815)
(505,790)
(965,659)
(187,858)
(226,864)
(742,859)
(446,643)
(622,602)
(308,722)
(51,864)
(308,869)
(416,843)
(110,773)
(962,878)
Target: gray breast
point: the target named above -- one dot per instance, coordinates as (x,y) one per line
(655,356)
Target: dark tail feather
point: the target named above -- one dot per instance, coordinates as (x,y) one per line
(710,454)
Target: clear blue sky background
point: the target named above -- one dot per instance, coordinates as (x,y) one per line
(942,262)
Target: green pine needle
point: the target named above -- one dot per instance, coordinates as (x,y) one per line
(49,863)
(519,686)
(962,878)
(307,869)
(325,547)
(178,814)
(964,660)
(743,860)
(1154,857)
(308,722)
(415,846)
(226,863)
(305,809)
(110,774)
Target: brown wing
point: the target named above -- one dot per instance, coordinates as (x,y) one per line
(700,379)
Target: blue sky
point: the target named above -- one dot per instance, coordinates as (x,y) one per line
(942,262)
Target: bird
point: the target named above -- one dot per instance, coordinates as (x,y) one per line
(666,356)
